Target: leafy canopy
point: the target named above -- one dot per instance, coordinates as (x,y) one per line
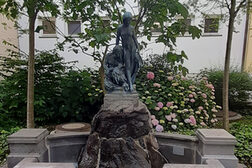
(99,33)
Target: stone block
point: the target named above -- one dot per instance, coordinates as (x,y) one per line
(66,146)
(48,165)
(27,143)
(33,163)
(25,161)
(216,144)
(228,161)
(215,136)
(14,159)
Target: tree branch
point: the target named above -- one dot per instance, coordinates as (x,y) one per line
(242,4)
(130,7)
(228,6)
(140,17)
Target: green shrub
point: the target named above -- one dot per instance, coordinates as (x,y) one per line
(3,142)
(239,85)
(61,93)
(176,103)
(80,97)
(243,133)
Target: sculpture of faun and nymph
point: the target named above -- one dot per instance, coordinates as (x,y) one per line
(123,63)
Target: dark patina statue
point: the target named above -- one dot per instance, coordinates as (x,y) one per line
(122,65)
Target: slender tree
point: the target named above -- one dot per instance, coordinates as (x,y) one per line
(233,7)
(29,8)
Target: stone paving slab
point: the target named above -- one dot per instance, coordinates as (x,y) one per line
(48,165)
(209,164)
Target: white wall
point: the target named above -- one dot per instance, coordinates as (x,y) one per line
(206,52)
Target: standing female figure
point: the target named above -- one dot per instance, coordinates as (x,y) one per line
(131,57)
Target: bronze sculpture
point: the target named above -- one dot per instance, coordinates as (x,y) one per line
(123,73)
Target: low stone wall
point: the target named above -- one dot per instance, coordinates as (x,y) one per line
(65,146)
(62,147)
(178,148)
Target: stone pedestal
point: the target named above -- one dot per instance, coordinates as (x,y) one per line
(65,146)
(216,144)
(121,136)
(27,143)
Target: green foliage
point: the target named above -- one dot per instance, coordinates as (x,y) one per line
(12,8)
(243,133)
(176,103)
(239,85)
(99,34)
(61,93)
(3,142)
(80,97)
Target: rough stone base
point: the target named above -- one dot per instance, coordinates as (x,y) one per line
(121,136)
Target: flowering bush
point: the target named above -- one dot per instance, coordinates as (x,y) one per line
(177,103)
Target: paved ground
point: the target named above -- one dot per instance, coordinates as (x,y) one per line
(239,166)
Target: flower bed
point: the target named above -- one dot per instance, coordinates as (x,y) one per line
(177,103)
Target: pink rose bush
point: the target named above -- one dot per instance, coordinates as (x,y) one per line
(150,75)
(176,102)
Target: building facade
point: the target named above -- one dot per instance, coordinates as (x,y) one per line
(206,52)
(247,61)
(8,33)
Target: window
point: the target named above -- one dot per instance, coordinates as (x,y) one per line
(156,27)
(49,26)
(186,23)
(106,21)
(211,25)
(74,27)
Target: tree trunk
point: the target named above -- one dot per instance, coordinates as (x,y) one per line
(31,69)
(227,64)
(102,76)
(102,70)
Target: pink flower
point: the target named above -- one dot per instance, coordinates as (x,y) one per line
(157,108)
(183,78)
(204,95)
(173,115)
(170,78)
(193,121)
(154,122)
(204,78)
(168,117)
(200,108)
(156,85)
(160,104)
(191,95)
(212,121)
(210,86)
(159,128)
(191,87)
(202,124)
(168,104)
(150,75)
(152,117)
(192,100)
(187,121)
